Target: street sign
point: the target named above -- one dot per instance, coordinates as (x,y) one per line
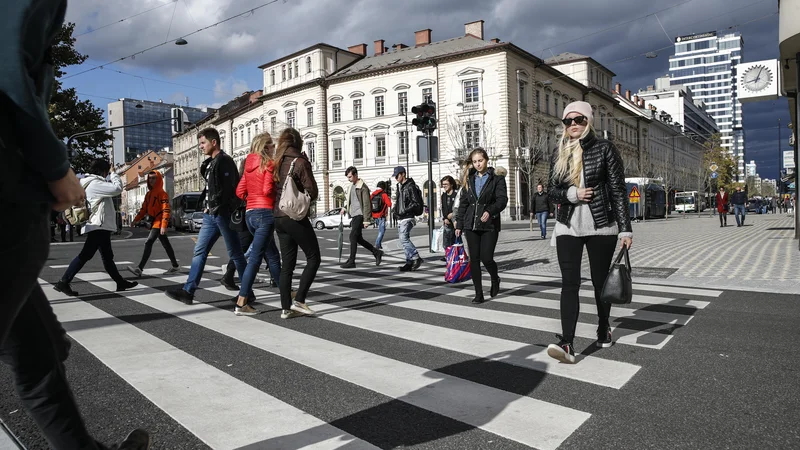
(634,196)
(714,175)
(713,167)
(788,159)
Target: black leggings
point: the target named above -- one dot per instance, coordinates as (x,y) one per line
(723,218)
(155,233)
(293,234)
(481,245)
(570,253)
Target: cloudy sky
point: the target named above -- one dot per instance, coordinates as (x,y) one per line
(223,60)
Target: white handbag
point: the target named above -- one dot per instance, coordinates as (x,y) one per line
(294,203)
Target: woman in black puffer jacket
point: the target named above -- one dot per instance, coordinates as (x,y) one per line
(483,199)
(587,180)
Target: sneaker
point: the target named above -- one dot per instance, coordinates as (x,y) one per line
(348,265)
(250,299)
(135,270)
(171,270)
(378,257)
(562,351)
(246,310)
(406,267)
(65,288)
(289,314)
(604,339)
(416,263)
(180,295)
(126,285)
(229,284)
(137,439)
(302,308)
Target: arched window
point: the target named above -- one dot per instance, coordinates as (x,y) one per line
(272,77)
(338,197)
(308,64)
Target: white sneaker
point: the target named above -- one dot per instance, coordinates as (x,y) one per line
(289,314)
(302,308)
(173,269)
(135,270)
(246,310)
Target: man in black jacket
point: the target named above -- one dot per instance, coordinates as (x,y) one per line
(739,200)
(219,201)
(409,205)
(540,205)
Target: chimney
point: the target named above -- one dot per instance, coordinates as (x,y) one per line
(495,40)
(379,47)
(400,46)
(474,29)
(628,94)
(360,49)
(636,99)
(422,37)
(619,88)
(641,102)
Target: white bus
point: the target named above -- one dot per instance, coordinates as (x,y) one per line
(690,201)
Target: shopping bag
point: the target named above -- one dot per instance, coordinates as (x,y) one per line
(457,269)
(436,243)
(618,287)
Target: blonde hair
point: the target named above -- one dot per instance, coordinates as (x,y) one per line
(569,162)
(260,147)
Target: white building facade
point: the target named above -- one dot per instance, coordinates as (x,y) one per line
(679,103)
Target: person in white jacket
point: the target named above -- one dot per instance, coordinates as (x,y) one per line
(102,222)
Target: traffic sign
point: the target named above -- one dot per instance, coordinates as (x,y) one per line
(634,196)
(713,167)
(714,175)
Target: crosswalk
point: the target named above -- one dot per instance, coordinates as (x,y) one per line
(390,359)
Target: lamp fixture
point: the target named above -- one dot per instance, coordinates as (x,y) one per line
(181,41)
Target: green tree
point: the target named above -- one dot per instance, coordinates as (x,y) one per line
(68,114)
(727,164)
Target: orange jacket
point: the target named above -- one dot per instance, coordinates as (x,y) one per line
(156,203)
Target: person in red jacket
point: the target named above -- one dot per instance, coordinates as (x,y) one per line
(380,202)
(257,188)
(722,207)
(156,208)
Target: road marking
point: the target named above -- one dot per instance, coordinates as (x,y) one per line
(205,400)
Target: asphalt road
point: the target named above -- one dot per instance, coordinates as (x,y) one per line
(404,360)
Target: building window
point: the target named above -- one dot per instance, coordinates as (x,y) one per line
(222,142)
(523,99)
(310,151)
(379,105)
(473,134)
(310,116)
(308,64)
(283,72)
(547,103)
(337,112)
(403,142)
(523,134)
(358,148)
(471,94)
(555,106)
(402,102)
(256,129)
(249,137)
(538,101)
(380,146)
(241,137)
(272,77)
(273,124)
(427,95)
(356,109)
(290,69)
(296,68)
(290,118)
(337,150)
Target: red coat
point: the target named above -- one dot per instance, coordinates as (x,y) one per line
(258,186)
(722,202)
(156,203)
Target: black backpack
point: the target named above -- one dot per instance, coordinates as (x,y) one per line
(377,202)
(419,206)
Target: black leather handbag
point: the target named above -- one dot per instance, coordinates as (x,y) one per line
(618,288)
(238,216)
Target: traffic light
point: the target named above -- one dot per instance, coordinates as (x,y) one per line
(178,116)
(426,117)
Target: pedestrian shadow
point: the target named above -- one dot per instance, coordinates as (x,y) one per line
(426,414)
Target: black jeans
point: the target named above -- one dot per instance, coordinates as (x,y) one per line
(291,234)
(95,240)
(32,340)
(570,253)
(357,238)
(481,250)
(155,233)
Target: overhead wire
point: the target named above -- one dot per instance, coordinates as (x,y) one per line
(123,19)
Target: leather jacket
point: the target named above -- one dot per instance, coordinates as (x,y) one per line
(407,199)
(493,198)
(223,178)
(603,170)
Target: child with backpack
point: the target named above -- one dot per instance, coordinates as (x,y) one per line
(381,202)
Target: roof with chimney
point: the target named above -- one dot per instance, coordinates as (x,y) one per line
(565,58)
(414,54)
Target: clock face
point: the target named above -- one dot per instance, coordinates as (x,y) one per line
(757,78)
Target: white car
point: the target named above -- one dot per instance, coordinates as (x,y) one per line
(331,219)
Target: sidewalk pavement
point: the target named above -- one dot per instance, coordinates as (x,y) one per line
(693,251)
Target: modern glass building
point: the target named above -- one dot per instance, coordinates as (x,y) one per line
(128,143)
(706,63)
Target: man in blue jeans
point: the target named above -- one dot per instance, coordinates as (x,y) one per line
(408,206)
(541,206)
(380,201)
(222,176)
(739,200)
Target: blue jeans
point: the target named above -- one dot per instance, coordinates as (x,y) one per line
(213,227)
(404,231)
(381,222)
(541,217)
(261,223)
(739,209)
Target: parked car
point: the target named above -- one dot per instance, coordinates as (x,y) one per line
(196,222)
(331,219)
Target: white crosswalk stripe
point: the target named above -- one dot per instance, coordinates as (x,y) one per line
(381,302)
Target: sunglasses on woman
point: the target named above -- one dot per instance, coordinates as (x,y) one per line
(579,120)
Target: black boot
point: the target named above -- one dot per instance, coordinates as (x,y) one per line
(478,298)
(64,288)
(125,284)
(227,281)
(495,287)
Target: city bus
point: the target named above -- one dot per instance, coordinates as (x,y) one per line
(183,205)
(652,201)
(690,201)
